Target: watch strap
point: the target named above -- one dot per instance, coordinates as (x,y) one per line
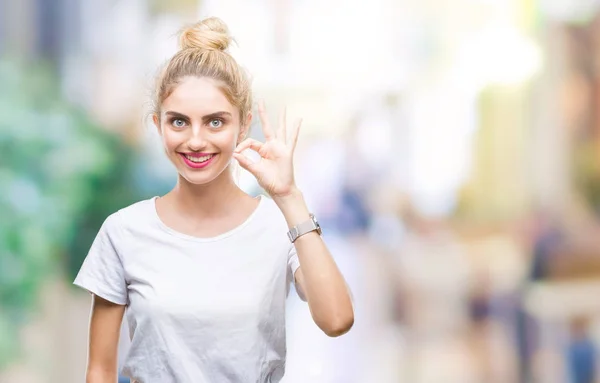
(303,228)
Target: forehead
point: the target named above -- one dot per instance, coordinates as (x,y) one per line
(197,96)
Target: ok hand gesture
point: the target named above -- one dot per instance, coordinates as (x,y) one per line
(275,170)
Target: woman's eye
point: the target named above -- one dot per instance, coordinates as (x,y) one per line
(216,123)
(178,123)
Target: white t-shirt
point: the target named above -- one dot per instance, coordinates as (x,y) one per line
(199,309)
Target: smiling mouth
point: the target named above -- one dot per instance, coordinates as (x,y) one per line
(197,159)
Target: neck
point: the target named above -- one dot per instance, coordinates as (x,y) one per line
(206,200)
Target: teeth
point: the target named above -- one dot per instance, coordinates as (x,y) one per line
(199,159)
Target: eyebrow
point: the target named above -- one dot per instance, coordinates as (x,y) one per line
(207,117)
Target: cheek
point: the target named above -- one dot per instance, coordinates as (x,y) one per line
(228,140)
(170,139)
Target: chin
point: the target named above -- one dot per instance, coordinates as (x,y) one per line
(198,179)
(201,178)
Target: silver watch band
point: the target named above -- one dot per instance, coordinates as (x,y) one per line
(304,228)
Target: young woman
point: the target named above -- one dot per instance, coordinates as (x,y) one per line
(203,272)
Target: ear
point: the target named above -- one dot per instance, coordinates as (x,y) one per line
(156,123)
(245,129)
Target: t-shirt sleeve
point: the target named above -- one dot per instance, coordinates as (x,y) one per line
(102,270)
(293,265)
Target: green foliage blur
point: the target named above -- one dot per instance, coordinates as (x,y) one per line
(60,177)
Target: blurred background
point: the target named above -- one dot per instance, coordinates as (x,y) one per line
(451,150)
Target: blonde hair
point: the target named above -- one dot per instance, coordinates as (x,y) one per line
(204,53)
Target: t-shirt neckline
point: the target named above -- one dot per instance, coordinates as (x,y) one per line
(224,235)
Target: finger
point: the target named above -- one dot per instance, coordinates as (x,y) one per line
(264,121)
(294,134)
(281,131)
(245,162)
(249,143)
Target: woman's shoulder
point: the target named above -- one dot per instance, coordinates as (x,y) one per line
(270,212)
(136,213)
(267,205)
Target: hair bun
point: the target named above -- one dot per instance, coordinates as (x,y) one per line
(211,33)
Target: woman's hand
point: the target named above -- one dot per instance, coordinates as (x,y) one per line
(275,169)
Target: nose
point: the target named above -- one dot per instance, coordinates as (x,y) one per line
(196,141)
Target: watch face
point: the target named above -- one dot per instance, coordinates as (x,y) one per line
(317,225)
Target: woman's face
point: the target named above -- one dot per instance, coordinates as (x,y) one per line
(199,129)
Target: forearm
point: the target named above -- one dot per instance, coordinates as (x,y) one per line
(322,282)
(101,376)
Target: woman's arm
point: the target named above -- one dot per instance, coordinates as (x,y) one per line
(105,328)
(318,276)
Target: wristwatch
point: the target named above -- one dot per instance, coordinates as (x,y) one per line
(305,227)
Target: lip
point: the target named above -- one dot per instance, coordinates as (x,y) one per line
(196,165)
